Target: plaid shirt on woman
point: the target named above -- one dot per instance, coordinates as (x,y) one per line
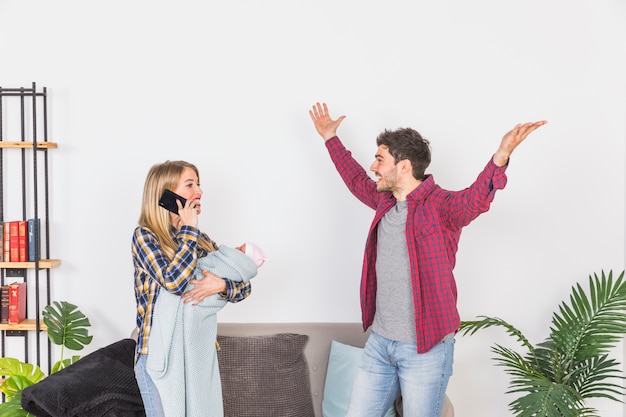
(433,228)
(154,270)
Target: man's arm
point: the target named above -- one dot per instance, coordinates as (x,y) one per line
(512,139)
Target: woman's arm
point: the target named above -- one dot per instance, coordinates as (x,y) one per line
(149,256)
(230,290)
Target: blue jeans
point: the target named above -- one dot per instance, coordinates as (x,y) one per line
(389,367)
(149,393)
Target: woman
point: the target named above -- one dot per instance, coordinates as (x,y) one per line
(165,249)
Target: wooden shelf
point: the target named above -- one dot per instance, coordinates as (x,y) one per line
(27,145)
(43,264)
(27,324)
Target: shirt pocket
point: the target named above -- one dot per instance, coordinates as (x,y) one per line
(425,229)
(425,223)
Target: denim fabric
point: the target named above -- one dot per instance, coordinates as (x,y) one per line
(149,393)
(389,367)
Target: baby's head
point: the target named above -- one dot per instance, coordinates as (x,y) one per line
(254,252)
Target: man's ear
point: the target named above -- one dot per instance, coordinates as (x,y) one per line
(406,167)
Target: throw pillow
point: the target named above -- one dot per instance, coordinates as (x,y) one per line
(342,365)
(265,376)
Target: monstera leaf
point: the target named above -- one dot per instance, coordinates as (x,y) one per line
(67,326)
(19,375)
(13,407)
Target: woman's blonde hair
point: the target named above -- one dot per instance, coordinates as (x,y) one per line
(156,218)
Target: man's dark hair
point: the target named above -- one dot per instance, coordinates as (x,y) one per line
(407,143)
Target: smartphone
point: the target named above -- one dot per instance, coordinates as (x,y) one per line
(168,201)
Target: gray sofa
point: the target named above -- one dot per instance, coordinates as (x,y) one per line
(316,351)
(267,370)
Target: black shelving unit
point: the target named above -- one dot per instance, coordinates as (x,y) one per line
(24,139)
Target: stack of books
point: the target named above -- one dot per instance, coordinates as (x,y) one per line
(19,240)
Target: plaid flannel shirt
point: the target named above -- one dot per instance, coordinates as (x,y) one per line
(154,271)
(433,228)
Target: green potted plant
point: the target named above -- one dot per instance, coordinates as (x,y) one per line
(556,377)
(67,327)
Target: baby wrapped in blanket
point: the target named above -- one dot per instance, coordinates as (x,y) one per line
(182,358)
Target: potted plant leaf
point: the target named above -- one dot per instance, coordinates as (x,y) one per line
(67,327)
(557,376)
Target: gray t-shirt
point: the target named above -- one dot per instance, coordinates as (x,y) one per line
(395,313)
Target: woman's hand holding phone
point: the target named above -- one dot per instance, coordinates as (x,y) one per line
(183,211)
(187,214)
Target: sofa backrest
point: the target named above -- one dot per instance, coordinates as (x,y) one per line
(316,350)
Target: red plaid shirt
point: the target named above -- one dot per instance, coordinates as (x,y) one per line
(433,228)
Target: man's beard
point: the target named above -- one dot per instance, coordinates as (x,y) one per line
(383,186)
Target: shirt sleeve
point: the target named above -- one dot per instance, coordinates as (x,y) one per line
(464,206)
(360,184)
(172,275)
(236,291)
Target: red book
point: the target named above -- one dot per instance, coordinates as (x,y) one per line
(22,227)
(17,302)
(14,241)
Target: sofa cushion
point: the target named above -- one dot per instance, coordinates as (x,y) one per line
(265,376)
(342,365)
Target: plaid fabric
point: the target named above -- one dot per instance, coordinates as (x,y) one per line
(154,270)
(434,222)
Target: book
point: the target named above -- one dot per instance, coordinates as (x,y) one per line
(14,241)
(23,237)
(34,239)
(7,238)
(17,302)
(4,304)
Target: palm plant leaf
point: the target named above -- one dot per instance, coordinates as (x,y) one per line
(556,377)
(67,326)
(550,362)
(513,362)
(591,325)
(593,376)
(547,399)
(471,327)
(540,395)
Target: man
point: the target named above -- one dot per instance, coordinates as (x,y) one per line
(408,292)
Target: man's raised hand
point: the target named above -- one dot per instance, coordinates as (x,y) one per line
(512,139)
(325,126)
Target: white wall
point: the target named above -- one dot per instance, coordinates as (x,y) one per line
(227,85)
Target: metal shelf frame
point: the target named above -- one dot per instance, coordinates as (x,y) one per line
(31,143)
